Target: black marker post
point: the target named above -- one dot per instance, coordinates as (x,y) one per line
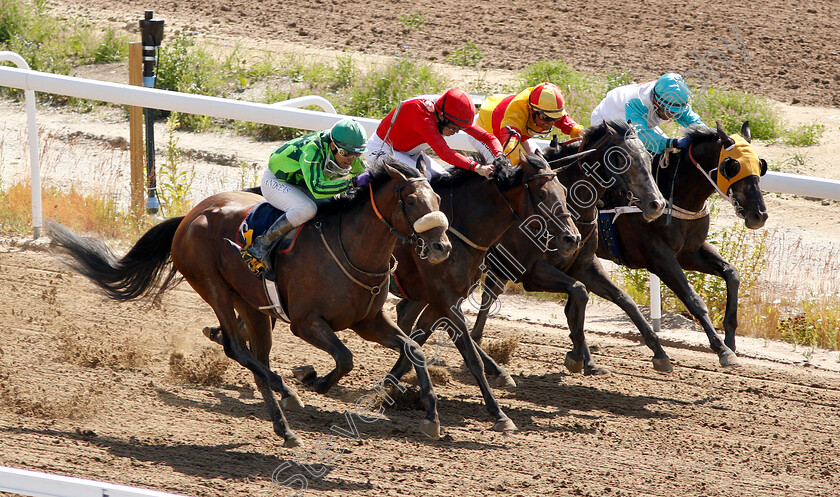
(151,34)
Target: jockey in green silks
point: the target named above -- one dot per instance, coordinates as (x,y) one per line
(315,166)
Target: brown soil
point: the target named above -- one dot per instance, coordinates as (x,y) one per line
(95,389)
(788,51)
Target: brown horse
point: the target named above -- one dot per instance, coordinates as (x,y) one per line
(677,240)
(322,291)
(621,162)
(479,212)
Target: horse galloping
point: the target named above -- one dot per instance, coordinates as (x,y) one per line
(713,162)
(321,292)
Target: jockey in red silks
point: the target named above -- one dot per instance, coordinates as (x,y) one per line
(419,123)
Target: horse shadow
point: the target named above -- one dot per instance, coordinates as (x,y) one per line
(204,461)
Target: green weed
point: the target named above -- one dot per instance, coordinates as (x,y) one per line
(413,21)
(803,136)
(468,55)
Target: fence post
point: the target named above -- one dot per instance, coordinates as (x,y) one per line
(135,126)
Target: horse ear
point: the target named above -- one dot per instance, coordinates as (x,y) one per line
(724,138)
(729,168)
(611,131)
(745,132)
(421,164)
(395,173)
(554,142)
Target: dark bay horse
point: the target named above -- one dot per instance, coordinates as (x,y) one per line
(479,212)
(621,162)
(677,240)
(322,291)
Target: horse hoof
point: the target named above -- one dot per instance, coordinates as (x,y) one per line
(504,425)
(430,428)
(504,381)
(304,374)
(213,333)
(597,371)
(573,365)
(728,359)
(291,403)
(292,441)
(663,365)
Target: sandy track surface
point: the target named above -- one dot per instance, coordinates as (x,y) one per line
(86,389)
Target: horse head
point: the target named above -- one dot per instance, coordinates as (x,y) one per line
(612,156)
(415,215)
(545,205)
(738,176)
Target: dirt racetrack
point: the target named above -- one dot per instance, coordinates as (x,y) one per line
(87,389)
(96,389)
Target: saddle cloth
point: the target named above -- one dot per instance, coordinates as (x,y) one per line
(256,222)
(608,236)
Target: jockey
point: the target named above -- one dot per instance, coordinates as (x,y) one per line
(418,123)
(532,111)
(645,105)
(318,165)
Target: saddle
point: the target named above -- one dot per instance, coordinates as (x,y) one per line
(256,222)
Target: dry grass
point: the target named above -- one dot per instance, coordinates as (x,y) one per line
(438,374)
(96,349)
(207,369)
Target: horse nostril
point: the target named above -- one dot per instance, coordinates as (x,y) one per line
(439,247)
(656,206)
(571,241)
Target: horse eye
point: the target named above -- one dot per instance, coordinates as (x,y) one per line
(540,194)
(411,200)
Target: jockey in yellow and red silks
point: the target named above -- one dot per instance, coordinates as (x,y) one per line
(533,111)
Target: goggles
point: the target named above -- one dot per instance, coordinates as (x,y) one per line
(347,154)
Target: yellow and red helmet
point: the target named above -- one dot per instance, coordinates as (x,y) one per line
(548,99)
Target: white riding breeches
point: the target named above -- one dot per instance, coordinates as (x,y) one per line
(376,151)
(298,206)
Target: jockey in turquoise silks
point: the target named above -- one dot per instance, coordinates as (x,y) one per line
(319,165)
(645,105)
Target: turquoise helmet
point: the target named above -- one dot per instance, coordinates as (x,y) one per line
(671,93)
(349,135)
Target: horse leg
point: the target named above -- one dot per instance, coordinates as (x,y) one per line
(597,281)
(381,330)
(420,334)
(259,327)
(407,313)
(275,381)
(456,326)
(707,260)
(669,270)
(547,278)
(493,287)
(233,344)
(315,331)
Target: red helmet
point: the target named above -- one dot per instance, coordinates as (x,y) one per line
(456,106)
(549,99)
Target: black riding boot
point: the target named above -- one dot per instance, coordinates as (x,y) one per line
(259,247)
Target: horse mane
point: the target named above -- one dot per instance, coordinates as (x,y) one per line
(700,133)
(506,177)
(591,135)
(378,176)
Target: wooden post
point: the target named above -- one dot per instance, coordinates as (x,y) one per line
(135,124)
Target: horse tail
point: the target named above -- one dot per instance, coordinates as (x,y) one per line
(139,273)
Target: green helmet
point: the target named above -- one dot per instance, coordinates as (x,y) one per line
(349,135)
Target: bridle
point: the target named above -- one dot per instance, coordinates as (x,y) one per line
(413,237)
(739,210)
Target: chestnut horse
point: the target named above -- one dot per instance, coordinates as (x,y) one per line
(479,212)
(676,241)
(322,291)
(621,163)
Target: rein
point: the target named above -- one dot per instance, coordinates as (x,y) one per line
(412,238)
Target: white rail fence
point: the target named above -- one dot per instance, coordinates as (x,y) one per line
(35,484)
